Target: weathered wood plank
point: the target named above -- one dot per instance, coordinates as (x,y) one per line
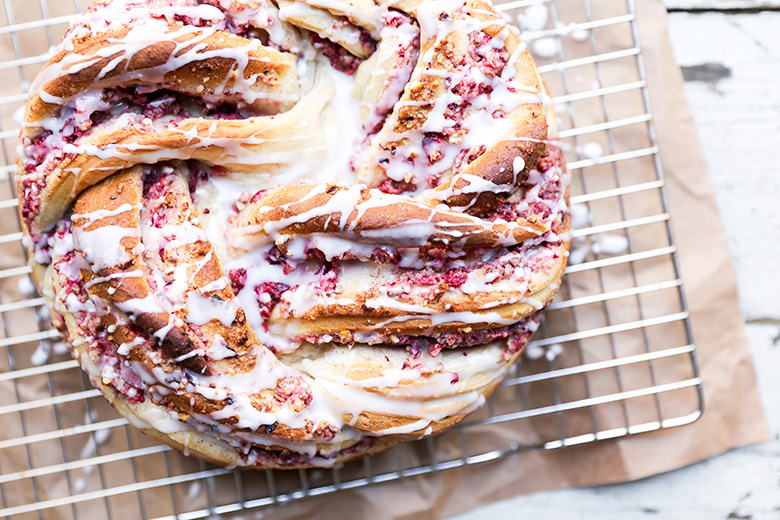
(720,5)
(734,93)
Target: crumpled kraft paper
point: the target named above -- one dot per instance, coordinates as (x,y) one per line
(732,415)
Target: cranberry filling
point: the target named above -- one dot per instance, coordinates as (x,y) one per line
(293,390)
(237,279)
(338,56)
(201,173)
(268,295)
(490,60)
(392,187)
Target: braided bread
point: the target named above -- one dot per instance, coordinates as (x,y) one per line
(286,234)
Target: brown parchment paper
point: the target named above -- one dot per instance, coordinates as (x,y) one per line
(732,416)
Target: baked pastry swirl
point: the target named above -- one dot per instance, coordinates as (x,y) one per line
(285,234)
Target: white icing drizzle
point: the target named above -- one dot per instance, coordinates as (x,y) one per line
(100,214)
(102,246)
(326,142)
(202,309)
(114,276)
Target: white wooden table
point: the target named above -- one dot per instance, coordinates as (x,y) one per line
(730,54)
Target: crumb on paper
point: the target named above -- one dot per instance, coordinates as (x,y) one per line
(194,491)
(545,47)
(578,252)
(553,351)
(534,17)
(533,353)
(18,116)
(579,35)
(549,352)
(591,150)
(26,287)
(80,485)
(59,348)
(610,245)
(580,216)
(102,436)
(41,355)
(90,417)
(89,449)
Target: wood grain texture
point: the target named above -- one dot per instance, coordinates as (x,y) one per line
(720,5)
(737,122)
(733,87)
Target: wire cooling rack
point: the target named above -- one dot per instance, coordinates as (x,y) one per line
(614,356)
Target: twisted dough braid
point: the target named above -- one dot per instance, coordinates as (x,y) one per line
(283,234)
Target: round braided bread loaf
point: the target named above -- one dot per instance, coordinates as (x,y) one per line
(284,234)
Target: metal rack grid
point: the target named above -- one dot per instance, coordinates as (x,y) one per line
(614,356)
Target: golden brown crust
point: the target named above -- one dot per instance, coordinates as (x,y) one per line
(338,320)
(362,218)
(271,71)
